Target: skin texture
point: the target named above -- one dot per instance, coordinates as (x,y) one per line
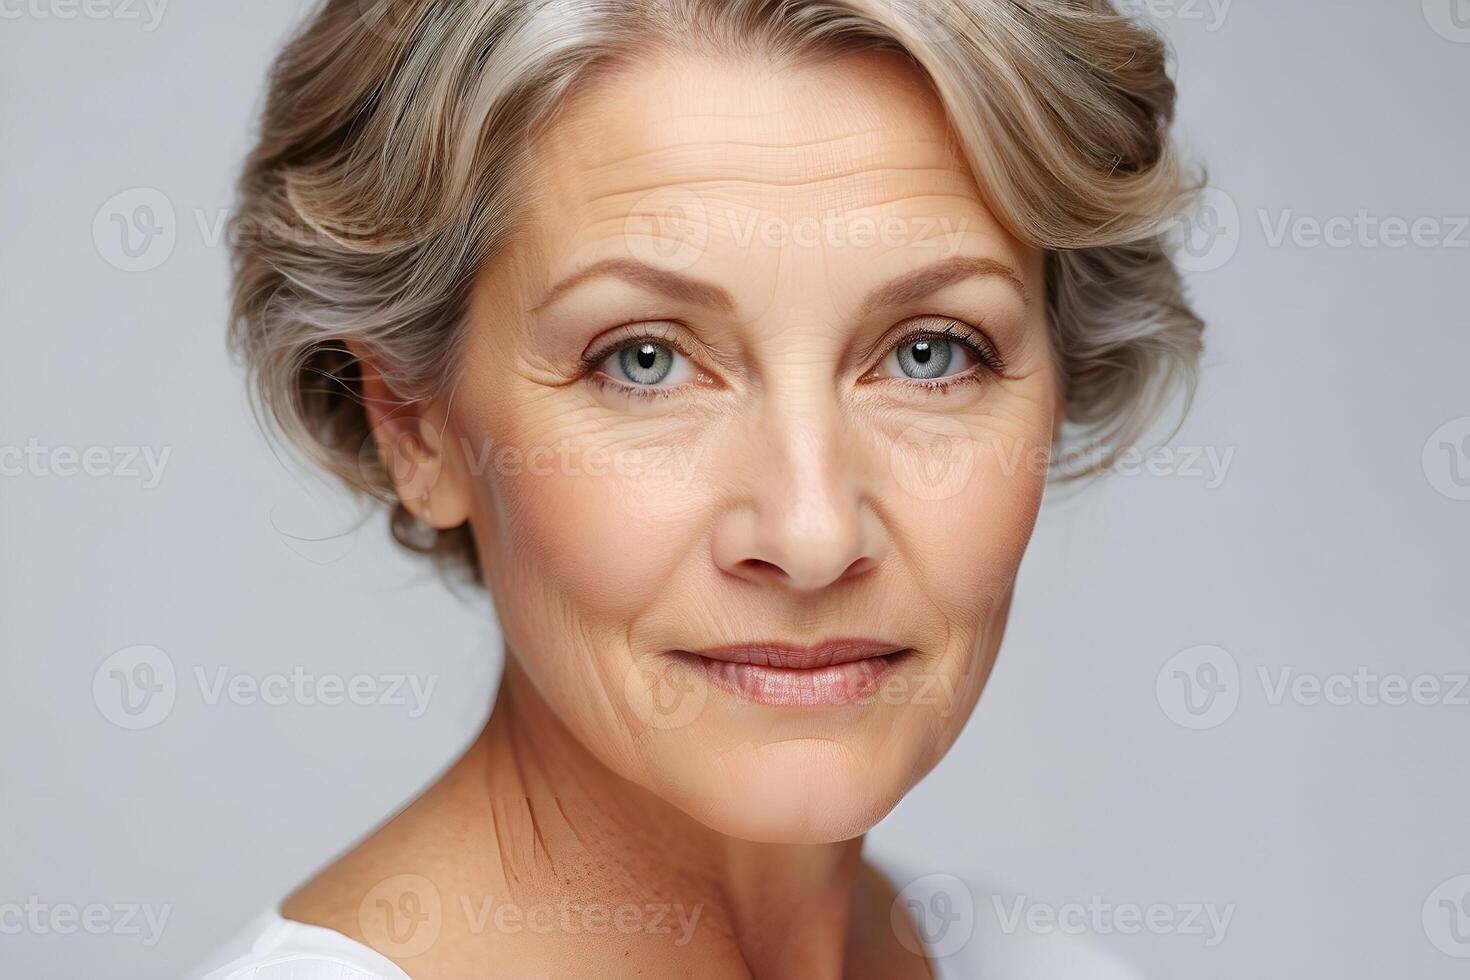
(790,483)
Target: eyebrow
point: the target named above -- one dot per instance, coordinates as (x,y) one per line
(908,288)
(672,284)
(916,285)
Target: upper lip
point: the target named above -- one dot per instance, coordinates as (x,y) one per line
(771,653)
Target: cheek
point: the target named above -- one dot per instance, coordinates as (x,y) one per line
(965,512)
(574,521)
(1000,511)
(601,527)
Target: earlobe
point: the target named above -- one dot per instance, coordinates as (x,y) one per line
(409,440)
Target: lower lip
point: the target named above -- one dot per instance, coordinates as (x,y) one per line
(837,684)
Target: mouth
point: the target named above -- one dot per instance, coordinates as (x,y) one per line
(834,672)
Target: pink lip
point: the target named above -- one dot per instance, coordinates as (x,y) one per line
(833,672)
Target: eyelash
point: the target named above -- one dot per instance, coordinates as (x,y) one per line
(977,343)
(625,337)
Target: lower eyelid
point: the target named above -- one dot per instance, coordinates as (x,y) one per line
(607,382)
(971,376)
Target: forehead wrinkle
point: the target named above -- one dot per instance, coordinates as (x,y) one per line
(641,137)
(920,144)
(874,133)
(959,199)
(645,135)
(845,191)
(762,158)
(665,98)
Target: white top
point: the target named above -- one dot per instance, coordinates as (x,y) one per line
(965,937)
(273,948)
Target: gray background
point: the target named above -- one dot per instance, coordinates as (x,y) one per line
(1333,543)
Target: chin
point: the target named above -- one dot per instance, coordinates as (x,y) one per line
(793,791)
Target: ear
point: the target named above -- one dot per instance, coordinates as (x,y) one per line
(411,440)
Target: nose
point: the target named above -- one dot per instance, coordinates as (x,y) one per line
(803,520)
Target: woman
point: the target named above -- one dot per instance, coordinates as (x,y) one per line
(725,342)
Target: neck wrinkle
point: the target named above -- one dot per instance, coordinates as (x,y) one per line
(566,826)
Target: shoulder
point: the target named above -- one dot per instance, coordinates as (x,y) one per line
(274,948)
(968,928)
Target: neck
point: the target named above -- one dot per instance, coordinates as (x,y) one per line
(568,831)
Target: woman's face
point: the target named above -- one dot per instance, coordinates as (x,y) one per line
(762,372)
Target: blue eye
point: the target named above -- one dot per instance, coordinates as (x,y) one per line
(925,359)
(929,358)
(648,364)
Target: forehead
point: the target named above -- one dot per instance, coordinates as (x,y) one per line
(694,119)
(744,157)
(819,133)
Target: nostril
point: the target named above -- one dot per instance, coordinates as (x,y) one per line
(759,566)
